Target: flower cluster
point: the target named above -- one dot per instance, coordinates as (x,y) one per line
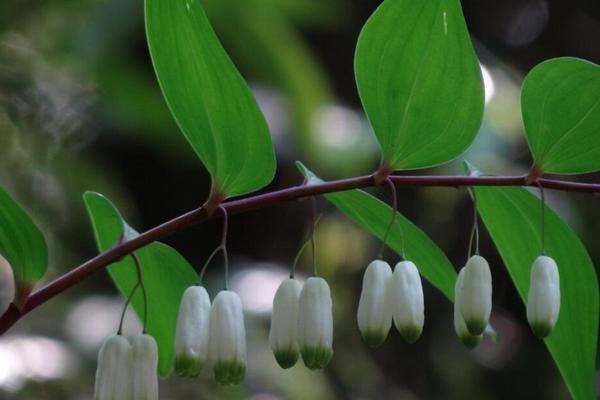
(213,333)
(473,299)
(127,370)
(391,296)
(302,323)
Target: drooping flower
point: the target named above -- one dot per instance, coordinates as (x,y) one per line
(227,346)
(144,354)
(543,301)
(284,323)
(374,311)
(476,294)
(113,374)
(460,327)
(315,323)
(406,293)
(192,334)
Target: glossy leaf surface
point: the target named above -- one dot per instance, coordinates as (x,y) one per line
(419,81)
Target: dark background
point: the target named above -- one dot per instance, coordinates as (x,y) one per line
(80,109)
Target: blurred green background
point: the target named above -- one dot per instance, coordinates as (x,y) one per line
(80,110)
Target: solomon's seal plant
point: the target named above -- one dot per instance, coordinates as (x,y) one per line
(283,336)
(420,84)
(476,294)
(374,307)
(192,332)
(543,299)
(227,338)
(144,361)
(115,370)
(467,338)
(407,301)
(315,323)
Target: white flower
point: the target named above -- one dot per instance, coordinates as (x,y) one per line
(284,322)
(543,301)
(374,313)
(113,375)
(144,354)
(459,323)
(406,293)
(227,338)
(192,335)
(315,323)
(476,295)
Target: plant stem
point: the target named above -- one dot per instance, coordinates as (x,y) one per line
(120,250)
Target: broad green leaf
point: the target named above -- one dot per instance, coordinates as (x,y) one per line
(22,245)
(512,216)
(560,102)
(165,272)
(419,81)
(374,215)
(208,97)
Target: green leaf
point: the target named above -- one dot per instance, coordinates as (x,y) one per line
(22,245)
(419,81)
(208,97)
(512,217)
(165,272)
(560,102)
(374,215)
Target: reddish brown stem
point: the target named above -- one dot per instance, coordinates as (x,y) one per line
(102,260)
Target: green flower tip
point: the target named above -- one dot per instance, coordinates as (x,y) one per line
(188,367)
(373,338)
(541,330)
(476,326)
(470,341)
(316,357)
(286,358)
(411,333)
(229,372)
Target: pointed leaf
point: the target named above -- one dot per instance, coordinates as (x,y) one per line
(419,81)
(374,215)
(22,245)
(208,97)
(165,272)
(512,216)
(560,102)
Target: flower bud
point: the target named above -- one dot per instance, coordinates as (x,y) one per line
(459,323)
(145,361)
(192,335)
(113,375)
(476,295)
(374,313)
(284,323)
(406,294)
(315,323)
(227,338)
(543,301)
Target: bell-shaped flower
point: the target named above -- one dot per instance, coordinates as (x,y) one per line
(374,313)
(543,301)
(460,327)
(406,294)
(144,355)
(284,323)
(113,375)
(476,294)
(315,323)
(227,338)
(192,334)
